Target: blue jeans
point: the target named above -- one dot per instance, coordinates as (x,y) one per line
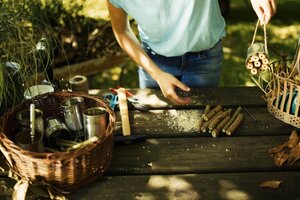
(195,69)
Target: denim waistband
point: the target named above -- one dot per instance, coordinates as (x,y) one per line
(148,50)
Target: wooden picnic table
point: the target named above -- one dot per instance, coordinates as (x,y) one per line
(177,161)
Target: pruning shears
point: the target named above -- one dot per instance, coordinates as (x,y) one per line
(131,98)
(112,99)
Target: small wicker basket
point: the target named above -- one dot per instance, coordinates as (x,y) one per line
(65,170)
(282,95)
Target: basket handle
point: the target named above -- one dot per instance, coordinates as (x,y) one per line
(265,36)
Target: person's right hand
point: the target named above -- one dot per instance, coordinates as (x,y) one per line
(264,9)
(168,83)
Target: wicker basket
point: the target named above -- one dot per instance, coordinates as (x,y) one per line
(65,170)
(279,101)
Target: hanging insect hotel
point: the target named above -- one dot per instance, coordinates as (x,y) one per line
(279,80)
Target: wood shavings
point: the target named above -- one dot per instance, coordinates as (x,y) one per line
(182,120)
(274,184)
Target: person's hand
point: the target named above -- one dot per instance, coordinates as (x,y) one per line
(264,9)
(168,83)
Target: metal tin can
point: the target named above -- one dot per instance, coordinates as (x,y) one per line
(95,121)
(72,109)
(56,129)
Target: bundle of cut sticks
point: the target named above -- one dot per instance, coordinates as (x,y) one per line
(257,63)
(217,120)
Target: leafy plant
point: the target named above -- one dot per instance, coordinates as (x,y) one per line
(26,47)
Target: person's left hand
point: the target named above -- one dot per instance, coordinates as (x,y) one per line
(264,9)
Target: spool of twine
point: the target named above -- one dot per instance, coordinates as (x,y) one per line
(79,84)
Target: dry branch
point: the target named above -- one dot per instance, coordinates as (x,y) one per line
(211,113)
(218,118)
(235,124)
(218,129)
(238,110)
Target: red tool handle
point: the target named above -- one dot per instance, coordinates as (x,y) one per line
(114,90)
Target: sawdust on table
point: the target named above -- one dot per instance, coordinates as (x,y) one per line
(184,120)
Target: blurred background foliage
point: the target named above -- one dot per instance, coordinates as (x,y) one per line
(83,32)
(283,33)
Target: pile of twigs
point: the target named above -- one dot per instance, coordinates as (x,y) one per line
(219,120)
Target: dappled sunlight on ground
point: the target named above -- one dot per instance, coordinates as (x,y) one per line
(176,187)
(230,191)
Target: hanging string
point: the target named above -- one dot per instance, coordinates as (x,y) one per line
(265,38)
(255,32)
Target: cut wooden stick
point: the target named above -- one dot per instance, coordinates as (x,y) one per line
(213,112)
(249,66)
(235,124)
(215,120)
(254,71)
(257,64)
(238,110)
(262,56)
(264,67)
(218,129)
(206,110)
(265,61)
(204,126)
(250,59)
(255,58)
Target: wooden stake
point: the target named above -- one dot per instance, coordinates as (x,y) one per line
(238,110)
(211,113)
(124,112)
(235,124)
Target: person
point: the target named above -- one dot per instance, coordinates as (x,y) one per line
(180,42)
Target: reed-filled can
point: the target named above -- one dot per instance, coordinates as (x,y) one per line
(257,58)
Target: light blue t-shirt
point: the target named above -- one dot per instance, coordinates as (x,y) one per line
(174,27)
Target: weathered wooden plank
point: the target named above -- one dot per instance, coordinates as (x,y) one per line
(188,186)
(197,155)
(226,96)
(185,122)
(240,186)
